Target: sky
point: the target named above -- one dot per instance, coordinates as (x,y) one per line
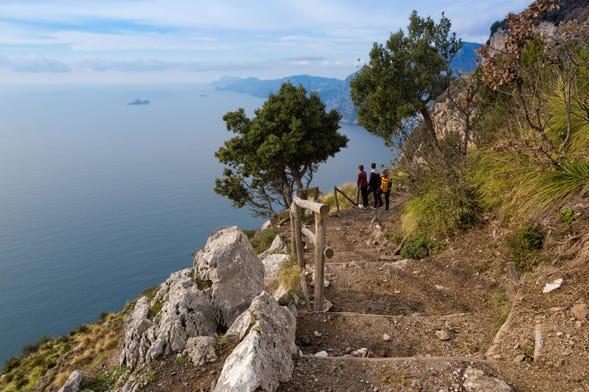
(162,41)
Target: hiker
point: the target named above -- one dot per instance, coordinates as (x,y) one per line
(374,185)
(386,184)
(362,183)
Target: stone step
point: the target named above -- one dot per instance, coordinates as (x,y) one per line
(339,334)
(404,287)
(346,374)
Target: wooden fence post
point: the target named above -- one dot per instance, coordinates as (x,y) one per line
(298,236)
(317,239)
(319,260)
(336,198)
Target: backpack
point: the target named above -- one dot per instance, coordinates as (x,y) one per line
(385,183)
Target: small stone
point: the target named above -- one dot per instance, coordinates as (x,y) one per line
(317,334)
(519,358)
(322,354)
(386,337)
(580,311)
(443,335)
(552,286)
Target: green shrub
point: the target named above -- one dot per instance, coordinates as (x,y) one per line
(204,284)
(10,364)
(104,381)
(289,274)
(394,237)
(567,215)
(150,292)
(155,309)
(29,348)
(262,240)
(524,244)
(419,246)
(441,209)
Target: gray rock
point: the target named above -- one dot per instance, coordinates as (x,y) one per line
(236,273)
(178,310)
(195,302)
(263,358)
(282,295)
(443,335)
(272,265)
(201,349)
(266,225)
(73,382)
(321,354)
(278,246)
(475,380)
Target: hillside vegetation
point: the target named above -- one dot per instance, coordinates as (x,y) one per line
(507,186)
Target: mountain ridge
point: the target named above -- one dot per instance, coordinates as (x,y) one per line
(335,93)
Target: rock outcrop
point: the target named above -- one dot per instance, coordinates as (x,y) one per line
(272,264)
(180,309)
(73,382)
(227,276)
(263,358)
(235,274)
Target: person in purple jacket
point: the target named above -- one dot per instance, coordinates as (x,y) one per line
(362,183)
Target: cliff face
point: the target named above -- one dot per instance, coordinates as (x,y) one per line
(557,13)
(552,19)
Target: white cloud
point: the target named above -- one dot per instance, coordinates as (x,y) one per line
(34,64)
(197,36)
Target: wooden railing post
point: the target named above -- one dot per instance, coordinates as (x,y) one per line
(317,239)
(298,236)
(319,261)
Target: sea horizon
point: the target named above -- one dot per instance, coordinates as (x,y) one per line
(101,199)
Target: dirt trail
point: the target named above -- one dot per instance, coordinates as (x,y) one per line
(395,325)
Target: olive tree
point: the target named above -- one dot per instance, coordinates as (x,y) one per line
(404,77)
(278,150)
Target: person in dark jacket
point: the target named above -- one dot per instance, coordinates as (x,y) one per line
(362,183)
(374,185)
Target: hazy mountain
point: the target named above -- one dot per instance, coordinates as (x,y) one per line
(335,93)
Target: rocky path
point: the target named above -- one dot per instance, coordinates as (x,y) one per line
(394,325)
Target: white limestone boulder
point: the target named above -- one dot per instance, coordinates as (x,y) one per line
(74,381)
(272,264)
(263,358)
(201,350)
(277,246)
(180,309)
(235,272)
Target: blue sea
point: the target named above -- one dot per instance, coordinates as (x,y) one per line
(100,199)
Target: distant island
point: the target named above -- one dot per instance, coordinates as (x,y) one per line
(335,93)
(140,102)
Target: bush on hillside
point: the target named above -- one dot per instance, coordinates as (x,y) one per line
(420,246)
(442,208)
(524,244)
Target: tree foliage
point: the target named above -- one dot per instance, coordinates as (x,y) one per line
(404,76)
(277,150)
